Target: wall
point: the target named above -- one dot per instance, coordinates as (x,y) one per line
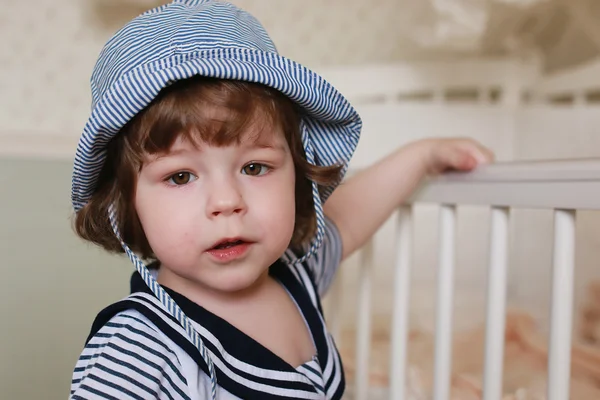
(51,283)
(50,47)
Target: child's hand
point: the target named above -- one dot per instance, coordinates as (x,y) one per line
(460,154)
(366,200)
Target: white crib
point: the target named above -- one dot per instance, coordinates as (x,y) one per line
(485,100)
(563,186)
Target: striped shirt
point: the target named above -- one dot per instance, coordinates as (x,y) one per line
(136,350)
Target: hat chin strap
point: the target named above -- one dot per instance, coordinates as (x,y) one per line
(168,302)
(318,240)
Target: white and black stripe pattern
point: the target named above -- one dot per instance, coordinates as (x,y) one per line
(312,370)
(333,362)
(240,378)
(316,276)
(127,360)
(168,303)
(232,372)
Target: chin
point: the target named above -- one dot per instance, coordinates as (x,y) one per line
(238,281)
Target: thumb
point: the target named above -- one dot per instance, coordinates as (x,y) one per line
(459,157)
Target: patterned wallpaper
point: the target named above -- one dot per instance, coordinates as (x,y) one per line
(49,48)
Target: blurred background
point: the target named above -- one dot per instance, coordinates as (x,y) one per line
(542,57)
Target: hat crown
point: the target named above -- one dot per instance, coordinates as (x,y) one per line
(180,27)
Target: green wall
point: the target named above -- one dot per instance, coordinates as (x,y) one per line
(52,283)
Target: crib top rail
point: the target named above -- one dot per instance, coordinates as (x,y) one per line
(555,184)
(429,81)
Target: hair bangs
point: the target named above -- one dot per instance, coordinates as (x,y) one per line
(217,113)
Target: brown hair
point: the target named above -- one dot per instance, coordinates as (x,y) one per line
(191,108)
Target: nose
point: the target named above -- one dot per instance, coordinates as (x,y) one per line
(225,198)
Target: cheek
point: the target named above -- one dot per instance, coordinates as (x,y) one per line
(168,229)
(277,208)
(281,213)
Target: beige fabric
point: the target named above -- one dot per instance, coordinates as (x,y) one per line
(525,361)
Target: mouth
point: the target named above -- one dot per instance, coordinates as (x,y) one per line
(228,243)
(228,250)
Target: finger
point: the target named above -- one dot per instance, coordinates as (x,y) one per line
(462,159)
(482,154)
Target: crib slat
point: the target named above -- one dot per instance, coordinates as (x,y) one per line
(443,334)
(363,328)
(400,322)
(496,304)
(559,370)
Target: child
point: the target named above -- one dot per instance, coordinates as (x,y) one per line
(210,157)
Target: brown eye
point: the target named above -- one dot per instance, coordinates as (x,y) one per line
(180,178)
(255,169)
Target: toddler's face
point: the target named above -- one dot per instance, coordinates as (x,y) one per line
(218,217)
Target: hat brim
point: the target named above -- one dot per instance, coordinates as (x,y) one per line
(332,124)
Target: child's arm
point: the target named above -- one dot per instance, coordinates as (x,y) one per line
(363,203)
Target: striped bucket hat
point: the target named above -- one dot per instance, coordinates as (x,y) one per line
(214,39)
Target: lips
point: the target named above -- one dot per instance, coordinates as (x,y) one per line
(229,249)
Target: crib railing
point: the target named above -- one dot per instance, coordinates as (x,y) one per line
(561,186)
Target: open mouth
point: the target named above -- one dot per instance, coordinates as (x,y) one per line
(228,244)
(229,249)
